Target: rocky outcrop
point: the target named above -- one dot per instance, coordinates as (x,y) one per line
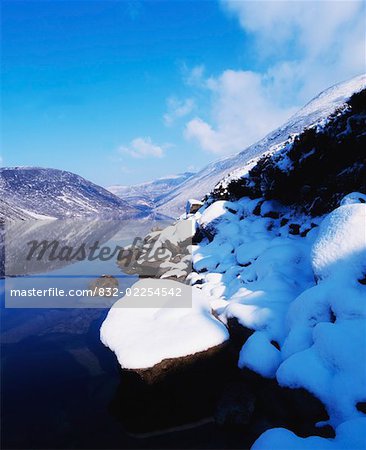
(193,206)
(104,286)
(315,170)
(161,254)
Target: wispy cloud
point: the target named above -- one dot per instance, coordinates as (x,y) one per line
(193,76)
(242,111)
(143,147)
(177,109)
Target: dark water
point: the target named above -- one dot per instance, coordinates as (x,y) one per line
(57,383)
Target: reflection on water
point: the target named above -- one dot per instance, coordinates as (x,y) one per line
(69,255)
(36,247)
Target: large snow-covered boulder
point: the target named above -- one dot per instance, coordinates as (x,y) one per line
(142,337)
(174,359)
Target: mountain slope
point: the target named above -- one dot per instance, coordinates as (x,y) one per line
(314,112)
(148,194)
(31,192)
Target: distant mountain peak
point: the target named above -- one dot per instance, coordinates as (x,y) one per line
(147,194)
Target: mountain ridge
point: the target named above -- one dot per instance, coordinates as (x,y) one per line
(147,194)
(312,113)
(36,192)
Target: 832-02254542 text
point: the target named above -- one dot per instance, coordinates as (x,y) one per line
(98,292)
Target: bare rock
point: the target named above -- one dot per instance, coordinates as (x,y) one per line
(174,392)
(193,205)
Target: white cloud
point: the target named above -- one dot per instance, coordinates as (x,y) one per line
(242,112)
(316,43)
(177,109)
(143,147)
(301,48)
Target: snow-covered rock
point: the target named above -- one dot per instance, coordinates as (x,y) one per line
(340,249)
(163,253)
(143,337)
(174,358)
(326,346)
(305,333)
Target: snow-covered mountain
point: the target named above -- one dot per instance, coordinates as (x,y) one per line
(33,192)
(314,112)
(147,194)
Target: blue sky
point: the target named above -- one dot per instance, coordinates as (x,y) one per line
(125,91)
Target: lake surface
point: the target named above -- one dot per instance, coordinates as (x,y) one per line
(58,381)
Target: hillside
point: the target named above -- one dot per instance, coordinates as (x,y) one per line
(32,192)
(316,111)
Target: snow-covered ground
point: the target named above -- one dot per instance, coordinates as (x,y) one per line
(300,294)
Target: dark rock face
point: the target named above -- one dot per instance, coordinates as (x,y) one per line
(361,406)
(173,392)
(263,404)
(316,170)
(193,206)
(238,335)
(253,404)
(184,390)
